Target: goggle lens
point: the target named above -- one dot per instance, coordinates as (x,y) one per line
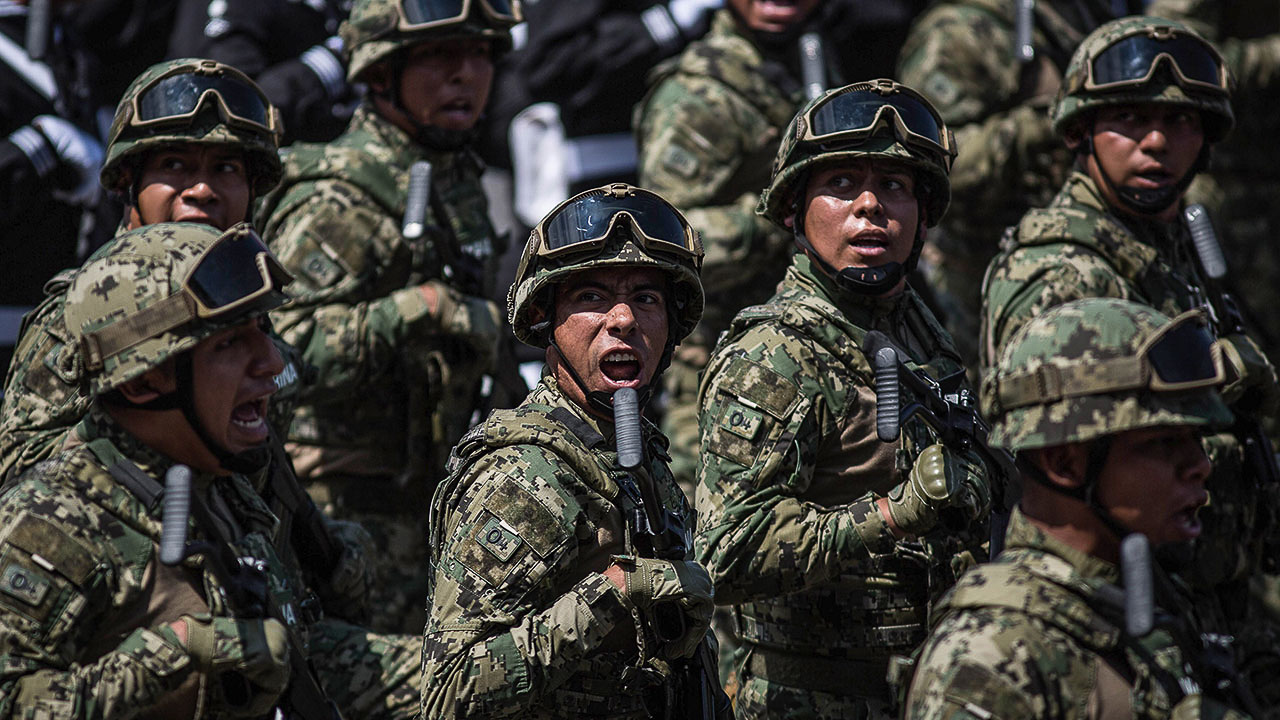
(423,12)
(180,95)
(236,269)
(1183,354)
(860,109)
(1131,59)
(587,220)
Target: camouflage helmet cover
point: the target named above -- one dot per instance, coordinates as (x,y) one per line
(126,143)
(372,31)
(798,157)
(1074,98)
(533,287)
(1081,335)
(143,268)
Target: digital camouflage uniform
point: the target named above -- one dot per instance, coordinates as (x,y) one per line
(1041,632)
(962,55)
(1243,180)
(787,522)
(707,132)
(1079,247)
(395,385)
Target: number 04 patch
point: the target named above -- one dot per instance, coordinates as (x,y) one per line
(741,420)
(499,539)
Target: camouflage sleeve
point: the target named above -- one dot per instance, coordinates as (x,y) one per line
(976,665)
(366,674)
(339,247)
(53,593)
(708,153)
(513,611)
(766,408)
(1021,285)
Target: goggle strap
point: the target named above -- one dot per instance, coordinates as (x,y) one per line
(1051,383)
(149,322)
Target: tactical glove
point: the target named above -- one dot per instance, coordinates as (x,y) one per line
(934,484)
(472,319)
(674,596)
(1251,379)
(249,656)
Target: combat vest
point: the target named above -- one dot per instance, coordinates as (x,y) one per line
(881,605)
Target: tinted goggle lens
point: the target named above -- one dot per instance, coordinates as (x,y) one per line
(421,12)
(1183,355)
(587,220)
(236,269)
(1132,58)
(179,95)
(860,109)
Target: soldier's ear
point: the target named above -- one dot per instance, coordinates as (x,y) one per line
(1064,465)
(148,386)
(1074,136)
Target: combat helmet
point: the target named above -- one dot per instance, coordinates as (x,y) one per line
(194,102)
(161,290)
(378,29)
(613,225)
(1142,59)
(874,119)
(1101,366)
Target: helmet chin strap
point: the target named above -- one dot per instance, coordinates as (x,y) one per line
(1147,201)
(873,281)
(183,398)
(598,400)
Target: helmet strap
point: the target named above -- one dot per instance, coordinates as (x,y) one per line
(428,136)
(249,461)
(1146,201)
(874,281)
(598,400)
(1087,492)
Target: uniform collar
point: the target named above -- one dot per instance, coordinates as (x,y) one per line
(806,276)
(1023,534)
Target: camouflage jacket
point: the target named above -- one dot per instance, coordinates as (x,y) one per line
(961,54)
(391,387)
(521,532)
(1035,634)
(787,521)
(707,132)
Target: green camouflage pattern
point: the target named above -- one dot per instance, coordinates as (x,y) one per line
(1074,99)
(1032,635)
(370,33)
(960,54)
(533,289)
(522,620)
(1084,333)
(83,619)
(707,131)
(395,384)
(788,524)
(126,144)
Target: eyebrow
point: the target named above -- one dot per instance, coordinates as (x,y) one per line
(595,285)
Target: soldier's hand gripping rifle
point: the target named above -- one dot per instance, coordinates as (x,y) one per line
(247,594)
(1227,318)
(946,407)
(698,694)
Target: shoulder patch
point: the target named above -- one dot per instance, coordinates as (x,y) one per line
(760,386)
(510,524)
(750,400)
(29,586)
(50,546)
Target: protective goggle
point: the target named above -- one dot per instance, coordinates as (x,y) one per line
(862,109)
(237,276)
(1180,356)
(423,14)
(180,95)
(1133,60)
(585,221)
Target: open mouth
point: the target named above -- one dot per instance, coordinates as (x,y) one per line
(869,243)
(1187,521)
(620,366)
(1154,178)
(251,416)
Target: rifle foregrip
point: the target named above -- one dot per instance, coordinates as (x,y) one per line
(1205,241)
(419,193)
(1023,22)
(177,508)
(626,427)
(39,24)
(888,399)
(1135,567)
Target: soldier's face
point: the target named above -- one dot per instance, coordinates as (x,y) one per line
(611,325)
(192,183)
(446,83)
(772,15)
(1145,147)
(1153,482)
(234,373)
(862,213)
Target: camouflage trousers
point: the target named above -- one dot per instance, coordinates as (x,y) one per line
(367,675)
(398,524)
(764,695)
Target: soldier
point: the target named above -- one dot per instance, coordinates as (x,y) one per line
(827,541)
(554,557)
(180,370)
(1141,129)
(1110,449)
(994,91)
(395,316)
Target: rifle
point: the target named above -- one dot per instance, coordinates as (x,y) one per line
(949,409)
(1227,318)
(244,583)
(698,695)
